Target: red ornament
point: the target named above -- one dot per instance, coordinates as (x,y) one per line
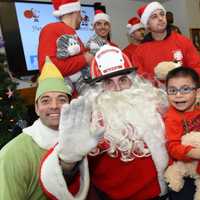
(28,14)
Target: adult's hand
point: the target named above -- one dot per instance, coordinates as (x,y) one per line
(75,138)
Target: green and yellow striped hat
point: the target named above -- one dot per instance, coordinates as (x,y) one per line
(51,80)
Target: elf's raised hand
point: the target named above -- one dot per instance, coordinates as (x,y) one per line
(75,139)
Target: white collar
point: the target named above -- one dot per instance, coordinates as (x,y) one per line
(45,137)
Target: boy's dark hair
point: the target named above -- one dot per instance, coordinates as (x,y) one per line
(183,72)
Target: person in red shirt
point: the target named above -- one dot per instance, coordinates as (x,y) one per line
(56,38)
(183,116)
(136,33)
(130,158)
(162,44)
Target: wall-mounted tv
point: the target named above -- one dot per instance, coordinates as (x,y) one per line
(21,22)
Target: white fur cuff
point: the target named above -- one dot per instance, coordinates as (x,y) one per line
(53,181)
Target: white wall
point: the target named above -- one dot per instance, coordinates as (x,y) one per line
(186,14)
(179,9)
(193,7)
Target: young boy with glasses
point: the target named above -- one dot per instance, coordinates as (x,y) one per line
(183,116)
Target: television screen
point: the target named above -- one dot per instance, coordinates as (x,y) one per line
(21,22)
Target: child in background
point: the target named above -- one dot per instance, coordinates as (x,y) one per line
(183,116)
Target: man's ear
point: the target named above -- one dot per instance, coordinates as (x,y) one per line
(36,109)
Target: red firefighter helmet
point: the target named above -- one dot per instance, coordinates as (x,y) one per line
(109,61)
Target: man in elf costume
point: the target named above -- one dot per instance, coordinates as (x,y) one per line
(136,33)
(129,160)
(20,159)
(60,42)
(162,44)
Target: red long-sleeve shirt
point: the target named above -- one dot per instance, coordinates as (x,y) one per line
(174,47)
(177,124)
(129,50)
(48,47)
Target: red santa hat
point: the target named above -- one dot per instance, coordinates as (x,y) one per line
(133,25)
(145,12)
(63,7)
(100,15)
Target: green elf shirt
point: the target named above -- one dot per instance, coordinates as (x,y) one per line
(19,170)
(20,163)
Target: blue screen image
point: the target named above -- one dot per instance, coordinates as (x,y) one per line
(32,17)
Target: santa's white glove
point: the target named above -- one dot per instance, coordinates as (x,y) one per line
(75,138)
(162,69)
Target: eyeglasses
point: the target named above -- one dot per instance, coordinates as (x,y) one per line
(182,90)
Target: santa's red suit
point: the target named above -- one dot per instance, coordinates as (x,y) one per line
(48,40)
(174,47)
(139,179)
(129,50)
(177,124)
(132,165)
(125,180)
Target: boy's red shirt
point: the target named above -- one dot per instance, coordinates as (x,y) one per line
(177,124)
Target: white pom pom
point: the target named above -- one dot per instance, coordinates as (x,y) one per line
(128,26)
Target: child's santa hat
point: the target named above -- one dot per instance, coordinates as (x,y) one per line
(100,15)
(133,25)
(145,12)
(63,7)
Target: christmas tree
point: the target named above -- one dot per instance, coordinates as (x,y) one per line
(12,108)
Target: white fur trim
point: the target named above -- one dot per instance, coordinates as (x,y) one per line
(101,16)
(151,7)
(155,141)
(67,8)
(135,27)
(52,179)
(45,137)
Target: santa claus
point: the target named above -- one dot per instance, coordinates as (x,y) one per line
(130,157)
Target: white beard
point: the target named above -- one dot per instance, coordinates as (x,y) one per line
(128,116)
